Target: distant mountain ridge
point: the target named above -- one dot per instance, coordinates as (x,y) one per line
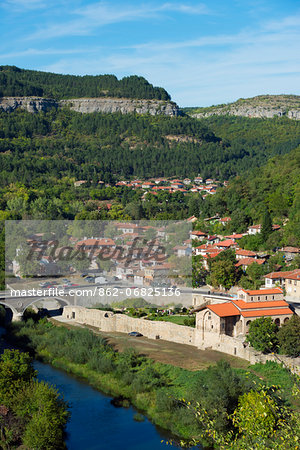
(36,91)
(261,106)
(16,82)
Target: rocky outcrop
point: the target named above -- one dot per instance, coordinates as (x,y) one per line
(30,104)
(122,105)
(294,114)
(250,112)
(90,105)
(267,106)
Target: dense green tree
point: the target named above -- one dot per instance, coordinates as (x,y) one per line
(36,415)
(199,274)
(218,391)
(253,277)
(19,82)
(15,370)
(222,273)
(222,270)
(262,334)
(266,227)
(289,337)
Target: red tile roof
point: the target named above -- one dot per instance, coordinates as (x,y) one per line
(229,309)
(264,291)
(96,242)
(243,252)
(267,312)
(226,243)
(224,309)
(198,233)
(275,275)
(241,304)
(213,254)
(248,261)
(295,276)
(225,219)
(290,249)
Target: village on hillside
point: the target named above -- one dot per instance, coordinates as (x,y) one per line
(170,185)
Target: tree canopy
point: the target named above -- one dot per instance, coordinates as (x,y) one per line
(16,82)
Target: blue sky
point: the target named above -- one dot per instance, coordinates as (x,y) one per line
(202,53)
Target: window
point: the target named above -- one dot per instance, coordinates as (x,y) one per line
(251,299)
(266,297)
(258,298)
(272,297)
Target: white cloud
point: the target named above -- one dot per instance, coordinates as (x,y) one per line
(48,52)
(247,63)
(21,5)
(100,14)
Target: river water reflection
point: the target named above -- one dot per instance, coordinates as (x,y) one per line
(95,423)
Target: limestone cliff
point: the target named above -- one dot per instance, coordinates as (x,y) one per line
(90,105)
(262,106)
(31,104)
(122,105)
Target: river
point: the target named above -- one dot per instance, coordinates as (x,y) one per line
(95,423)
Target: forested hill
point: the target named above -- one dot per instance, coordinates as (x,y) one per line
(63,143)
(262,106)
(274,187)
(15,82)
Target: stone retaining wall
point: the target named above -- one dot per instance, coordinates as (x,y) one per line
(110,322)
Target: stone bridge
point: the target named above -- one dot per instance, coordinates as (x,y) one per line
(19,303)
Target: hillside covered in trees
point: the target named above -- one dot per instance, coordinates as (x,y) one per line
(36,147)
(15,82)
(275,187)
(267,106)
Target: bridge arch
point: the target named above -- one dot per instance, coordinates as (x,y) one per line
(19,309)
(63,302)
(16,315)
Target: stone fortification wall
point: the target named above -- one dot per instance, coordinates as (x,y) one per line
(110,322)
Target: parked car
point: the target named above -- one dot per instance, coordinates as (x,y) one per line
(83,275)
(135,334)
(90,279)
(100,280)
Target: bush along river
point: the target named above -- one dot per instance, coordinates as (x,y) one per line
(97,420)
(220,395)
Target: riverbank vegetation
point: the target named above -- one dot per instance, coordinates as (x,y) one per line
(32,413)
(168,395)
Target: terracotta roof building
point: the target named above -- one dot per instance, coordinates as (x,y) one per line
(233,317)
